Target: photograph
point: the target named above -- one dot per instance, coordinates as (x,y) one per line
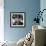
(17,19)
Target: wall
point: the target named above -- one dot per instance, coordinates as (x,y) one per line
(28,6)
(1,21)
(43,6)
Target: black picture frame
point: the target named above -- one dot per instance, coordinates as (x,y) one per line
(17,19)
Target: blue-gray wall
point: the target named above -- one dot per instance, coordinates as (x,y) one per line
(43,6)
(28,6)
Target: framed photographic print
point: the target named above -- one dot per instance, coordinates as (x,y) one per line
(17,19)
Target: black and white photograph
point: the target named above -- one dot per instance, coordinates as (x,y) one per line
(17,19)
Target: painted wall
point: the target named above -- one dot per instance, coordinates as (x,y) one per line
(28,6)
(1,21)
(43,6)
